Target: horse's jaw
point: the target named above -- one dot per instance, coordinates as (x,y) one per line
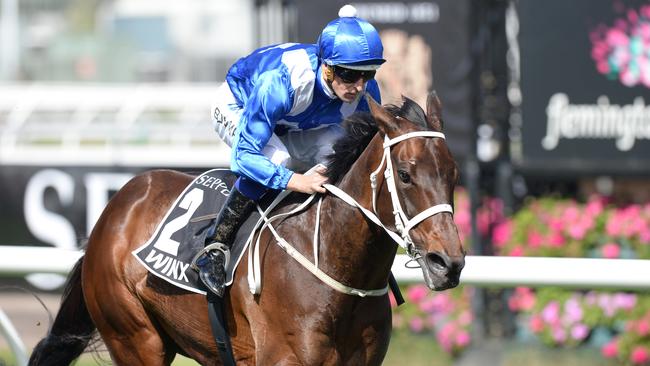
(436,277)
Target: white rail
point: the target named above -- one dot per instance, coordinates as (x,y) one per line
(629,274)
(479,271)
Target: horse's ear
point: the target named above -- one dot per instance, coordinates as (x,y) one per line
(386,122)
(434,111)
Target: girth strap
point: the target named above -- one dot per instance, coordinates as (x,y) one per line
(219,326)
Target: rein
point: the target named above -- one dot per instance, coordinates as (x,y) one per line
(402,223)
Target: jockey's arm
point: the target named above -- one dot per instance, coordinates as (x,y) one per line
(269,102)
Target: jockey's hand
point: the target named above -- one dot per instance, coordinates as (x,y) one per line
(308,183)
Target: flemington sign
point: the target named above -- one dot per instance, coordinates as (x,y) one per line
(585,87)
(625,124)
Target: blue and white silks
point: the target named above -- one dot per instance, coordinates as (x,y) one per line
(280,89)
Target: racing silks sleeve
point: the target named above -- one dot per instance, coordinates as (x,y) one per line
(270,100)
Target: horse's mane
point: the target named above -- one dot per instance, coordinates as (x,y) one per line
(360,128)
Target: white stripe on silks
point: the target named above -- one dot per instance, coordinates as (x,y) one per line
(303,79)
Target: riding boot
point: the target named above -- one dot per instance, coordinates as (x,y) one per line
(212,261)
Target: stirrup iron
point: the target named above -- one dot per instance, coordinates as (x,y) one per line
(223,248)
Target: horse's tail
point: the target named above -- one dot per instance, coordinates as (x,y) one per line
(72,330)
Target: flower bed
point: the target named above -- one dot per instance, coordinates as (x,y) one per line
(616,322)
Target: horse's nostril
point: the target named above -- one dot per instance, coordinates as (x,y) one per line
(437,261)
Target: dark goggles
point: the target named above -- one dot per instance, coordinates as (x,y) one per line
(351,76)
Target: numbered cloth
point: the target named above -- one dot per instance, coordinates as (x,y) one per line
(183,231)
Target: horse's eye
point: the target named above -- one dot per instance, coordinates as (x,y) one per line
(404,176)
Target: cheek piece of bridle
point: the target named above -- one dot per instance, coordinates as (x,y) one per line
(402,223)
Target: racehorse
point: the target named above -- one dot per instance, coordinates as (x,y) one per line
(297,319)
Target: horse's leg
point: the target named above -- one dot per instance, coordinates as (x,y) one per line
(127,330)
(133,339)
(110,276)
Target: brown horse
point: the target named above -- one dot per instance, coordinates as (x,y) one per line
(296,319)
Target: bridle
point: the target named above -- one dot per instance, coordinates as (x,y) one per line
(402,223)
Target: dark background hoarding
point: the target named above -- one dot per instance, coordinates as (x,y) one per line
(427,46)
(57,205)
(584,94)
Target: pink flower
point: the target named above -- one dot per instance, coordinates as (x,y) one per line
(639,355)
(441,302)
(536,324)
(645,11)
(444,336)
(556,240)
(617,37)
(556,224)
(594,207)
(578,231)
(606,303)
(629,77)
(516,252)
(559,334)
(535,239)
(611,250)
(416,324)
(571,214)
(463,338)
(416,293)
(502,233)
(522,300)
(615,224)
(579,332)
(572,311)
(624,300)
(610,349)
(643,327)
(462,218)
(551,313)
(602,66)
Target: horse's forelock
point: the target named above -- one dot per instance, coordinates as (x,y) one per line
(411,111)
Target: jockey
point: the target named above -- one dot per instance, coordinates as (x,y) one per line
(282,105)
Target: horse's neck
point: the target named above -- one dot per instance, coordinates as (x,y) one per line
(359,251)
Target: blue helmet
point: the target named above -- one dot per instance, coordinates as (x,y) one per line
(350,41)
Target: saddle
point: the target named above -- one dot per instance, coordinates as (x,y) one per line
(183,231)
